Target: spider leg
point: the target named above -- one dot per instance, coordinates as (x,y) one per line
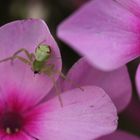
(58,93)
(32,57)
(25,51)
(6,59)
(23,60)
(48,69)
(65,78)
(15,55)
(18,57)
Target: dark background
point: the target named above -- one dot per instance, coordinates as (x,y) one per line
(53,12)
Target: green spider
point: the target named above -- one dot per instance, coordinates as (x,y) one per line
(38,62)
(42,55)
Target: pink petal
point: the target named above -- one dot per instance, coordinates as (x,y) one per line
(116,83)
(85,115)
(119,135)
(138,79)
(20,136)
(25,34)
(99,31)
(132,5)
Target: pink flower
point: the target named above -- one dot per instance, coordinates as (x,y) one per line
(105,31)
(86,114)
(116,83)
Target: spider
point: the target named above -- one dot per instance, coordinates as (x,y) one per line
(38,62)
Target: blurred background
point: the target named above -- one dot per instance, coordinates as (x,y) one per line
(53,12)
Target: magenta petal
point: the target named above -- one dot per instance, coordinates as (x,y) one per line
(20,136)
(116,83)
(119,135)
(85,115)
(99,31)
(132,5)
(138,79)
(19,76)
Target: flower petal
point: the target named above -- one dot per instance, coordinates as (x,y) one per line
(116,83)
(20,136)
(99,31)
(132,5)
(26,34)
(138,79)
(85,115)
(119,135)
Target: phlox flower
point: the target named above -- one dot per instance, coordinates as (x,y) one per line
(116,83)
(25,114)
(107,32)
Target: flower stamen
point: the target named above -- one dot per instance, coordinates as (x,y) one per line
(11,122)
(9,131)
